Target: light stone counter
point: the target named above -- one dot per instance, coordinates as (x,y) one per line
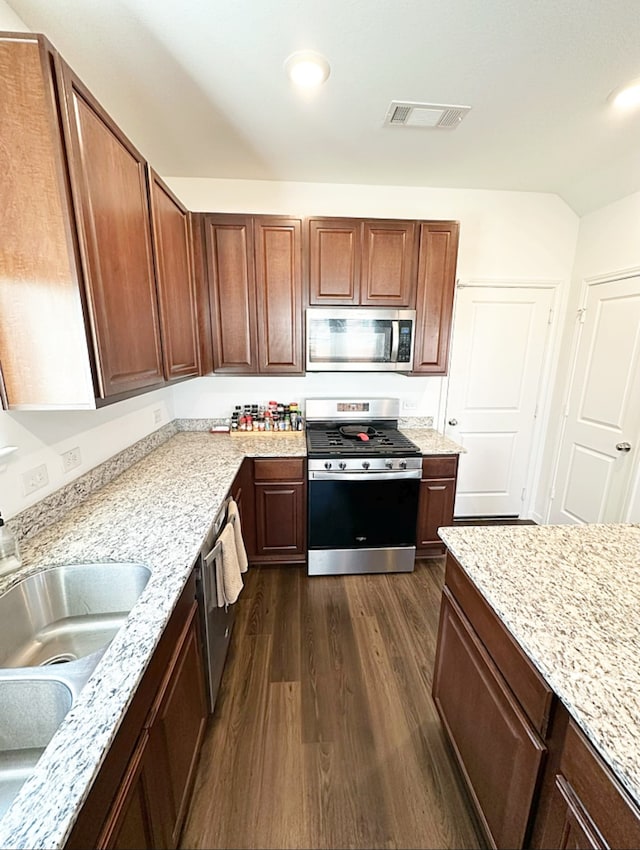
(158,513)
(570,596)
(431,442)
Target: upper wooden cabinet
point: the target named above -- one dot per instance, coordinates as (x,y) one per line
(335,248)
(362,262)
(175,275)
(109,187)
(388,263)
(80,323)
(254,266)
(435,289)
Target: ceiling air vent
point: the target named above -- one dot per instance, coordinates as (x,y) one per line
(430,116)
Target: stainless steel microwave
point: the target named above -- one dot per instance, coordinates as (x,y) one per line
(359,339)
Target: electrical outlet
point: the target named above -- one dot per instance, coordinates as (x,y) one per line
(157,416)
(409,404)
(71,459)
(34,479)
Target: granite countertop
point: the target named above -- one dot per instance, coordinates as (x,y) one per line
(157,512)
(432,442)
(570,596)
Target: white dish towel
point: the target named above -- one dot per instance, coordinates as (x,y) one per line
(233,516)
(228,577)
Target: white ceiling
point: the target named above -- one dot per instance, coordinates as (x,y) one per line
(199,86)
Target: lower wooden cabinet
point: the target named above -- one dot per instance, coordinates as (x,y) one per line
(280,508)
(130,824)
(437,497)
(497,749)
(140,797)
(532,776)
(588,807)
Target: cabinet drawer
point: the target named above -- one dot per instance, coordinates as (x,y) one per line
(278,469)
(608,808)
(445,466)
(532,692)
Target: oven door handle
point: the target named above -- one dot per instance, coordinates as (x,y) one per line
(395,340)
(391,475)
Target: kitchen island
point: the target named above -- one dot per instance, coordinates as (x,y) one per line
(569,596)
(156,510)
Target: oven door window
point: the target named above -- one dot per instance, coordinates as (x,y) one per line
(350,340)
(362,514)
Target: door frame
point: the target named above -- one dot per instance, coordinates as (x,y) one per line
(548,370)
(634,479)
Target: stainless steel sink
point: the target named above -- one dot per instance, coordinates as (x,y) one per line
(65,613)
(31,710)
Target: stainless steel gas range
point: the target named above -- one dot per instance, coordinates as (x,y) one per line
(364,480)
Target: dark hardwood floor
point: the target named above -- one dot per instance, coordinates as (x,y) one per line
(325,734)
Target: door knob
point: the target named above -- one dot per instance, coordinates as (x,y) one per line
(453,422)
(623,447)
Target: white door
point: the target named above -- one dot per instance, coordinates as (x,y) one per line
(497,357)
(603,411)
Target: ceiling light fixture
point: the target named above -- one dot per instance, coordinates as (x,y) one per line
(627,96)
(307,69)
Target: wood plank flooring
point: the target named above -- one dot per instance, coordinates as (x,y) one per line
(325,734)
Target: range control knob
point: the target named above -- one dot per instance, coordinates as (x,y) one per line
(365,464)
(403,464)
(327,465)
(388,464)
(342,465)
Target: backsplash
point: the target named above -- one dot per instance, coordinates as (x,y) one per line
(53,507)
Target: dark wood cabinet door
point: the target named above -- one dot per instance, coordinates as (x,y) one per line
(129,825)
(278,265)
(497,750)
(335,248)
(176,729)
(242,493)
(437,497)
(280,520)
(578,831)
(175,277)
(109,184)
(435,509)
(40,278)
(230,265)
(388,263)
(437,260)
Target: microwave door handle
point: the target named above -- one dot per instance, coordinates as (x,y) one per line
(395,340)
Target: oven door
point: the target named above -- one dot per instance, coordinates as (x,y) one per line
(362,522)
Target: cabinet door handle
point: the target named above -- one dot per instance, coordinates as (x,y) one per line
(623,447)
(453,422)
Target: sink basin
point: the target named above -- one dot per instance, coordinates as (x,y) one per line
(65,613)
(31,711)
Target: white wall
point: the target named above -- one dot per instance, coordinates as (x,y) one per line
(504,236)
(42,437)
(9,21)
(608,243)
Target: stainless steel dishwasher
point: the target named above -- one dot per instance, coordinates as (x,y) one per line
(216,623)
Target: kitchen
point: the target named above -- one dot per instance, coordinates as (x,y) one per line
(505,236)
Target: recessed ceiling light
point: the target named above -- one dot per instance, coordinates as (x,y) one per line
(307,69)
(628,96)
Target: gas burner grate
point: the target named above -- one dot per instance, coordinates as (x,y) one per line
(331,443)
